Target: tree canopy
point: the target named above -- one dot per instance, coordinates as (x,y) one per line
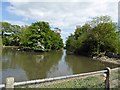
(37,36)
(97,36)
(10,34)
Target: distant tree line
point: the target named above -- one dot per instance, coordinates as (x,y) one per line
(37,36)
(99,36)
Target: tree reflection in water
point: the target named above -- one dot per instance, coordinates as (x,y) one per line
(35,65)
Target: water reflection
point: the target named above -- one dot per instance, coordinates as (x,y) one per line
(61,69)
(81,64)
(21,75)
(39,58)
(34,65)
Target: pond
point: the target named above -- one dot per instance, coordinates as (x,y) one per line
(36,65)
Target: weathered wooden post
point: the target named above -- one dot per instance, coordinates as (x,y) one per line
(9,85)
(107,80)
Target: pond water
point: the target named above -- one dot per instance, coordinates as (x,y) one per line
(35,65)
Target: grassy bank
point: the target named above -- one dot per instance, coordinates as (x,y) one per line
(89,82)
(97,81)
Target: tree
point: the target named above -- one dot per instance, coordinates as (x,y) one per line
(39,36)
(10,34)
(118,40)
(105,34)
(97,36)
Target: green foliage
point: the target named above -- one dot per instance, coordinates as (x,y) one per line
(39,36)
(118,40)
(95,37)
(10,34)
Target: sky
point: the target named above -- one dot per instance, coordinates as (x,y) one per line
(64,14)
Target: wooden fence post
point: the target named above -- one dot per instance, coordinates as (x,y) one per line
(9,85)
(107,80)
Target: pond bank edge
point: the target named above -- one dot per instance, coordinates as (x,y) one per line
(107,60)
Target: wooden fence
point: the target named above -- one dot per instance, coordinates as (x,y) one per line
(106,73)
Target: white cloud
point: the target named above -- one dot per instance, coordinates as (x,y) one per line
(16,22)
(61,0)
(64,15)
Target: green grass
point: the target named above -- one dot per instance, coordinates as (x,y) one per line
(89,82)
(86,83)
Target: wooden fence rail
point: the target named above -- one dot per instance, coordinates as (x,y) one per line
(11,84)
